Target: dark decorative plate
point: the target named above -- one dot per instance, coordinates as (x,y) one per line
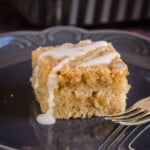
(18,108)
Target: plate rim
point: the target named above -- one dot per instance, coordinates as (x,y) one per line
(82,30)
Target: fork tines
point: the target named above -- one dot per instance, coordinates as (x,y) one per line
(131,117)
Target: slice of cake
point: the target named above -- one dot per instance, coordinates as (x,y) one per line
(79,80)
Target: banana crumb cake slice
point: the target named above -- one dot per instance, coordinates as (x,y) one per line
(79,80)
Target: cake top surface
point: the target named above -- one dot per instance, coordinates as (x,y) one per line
(74,50)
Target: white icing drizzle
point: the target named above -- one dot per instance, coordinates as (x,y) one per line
(103,59)
(73,52)
(67,50)
(36,78)
(70,53)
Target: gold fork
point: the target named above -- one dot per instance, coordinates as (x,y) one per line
(137,114)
